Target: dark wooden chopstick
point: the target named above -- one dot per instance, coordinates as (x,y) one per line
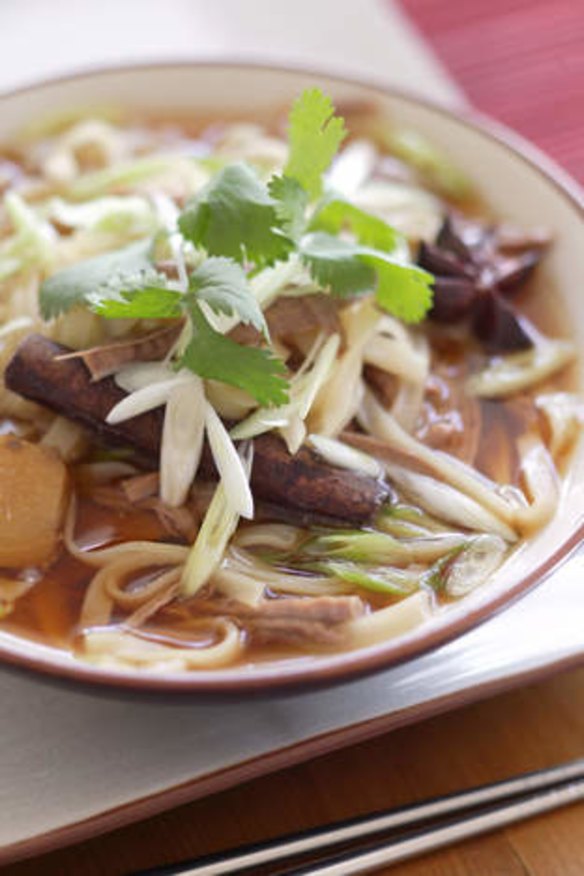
(506,801)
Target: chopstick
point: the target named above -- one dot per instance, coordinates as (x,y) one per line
(436,837)
(510,800)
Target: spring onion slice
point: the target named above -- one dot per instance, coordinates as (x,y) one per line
(342,455)
(146,398)
(230,466)
(182,440)
(474,564)
(218,526)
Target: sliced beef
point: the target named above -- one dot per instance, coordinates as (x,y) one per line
(291,620)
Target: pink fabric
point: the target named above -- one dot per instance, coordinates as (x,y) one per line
(521,61)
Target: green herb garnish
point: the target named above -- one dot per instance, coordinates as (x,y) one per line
(221,285)
(215,356)
(348,268)
(105,275)
(336,215)
(236,216)
(314,134)
(290,203)
(239,224)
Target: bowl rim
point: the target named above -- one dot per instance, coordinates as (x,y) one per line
(349,665)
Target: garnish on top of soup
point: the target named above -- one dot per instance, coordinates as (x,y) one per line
(262,397)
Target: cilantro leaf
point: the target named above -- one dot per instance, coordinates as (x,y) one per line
(152,302)
(315,135)
(291,202)
(216,357)
(403,290)
(222,284)
(124,269)
(334,264)
(350,268)
(235,216)
(337,215)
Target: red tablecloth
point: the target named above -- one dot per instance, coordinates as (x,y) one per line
(521,61)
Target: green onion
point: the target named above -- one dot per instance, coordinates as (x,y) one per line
(388,580)
(371,547)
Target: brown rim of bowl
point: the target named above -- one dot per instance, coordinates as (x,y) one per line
(350,664)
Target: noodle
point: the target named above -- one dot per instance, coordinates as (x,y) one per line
(125,650)
(381,424)
(338,400)
(541,482)
(388,623)
(143,553)
(277,536)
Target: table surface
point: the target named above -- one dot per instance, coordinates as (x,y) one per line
(521,61)
(526,729)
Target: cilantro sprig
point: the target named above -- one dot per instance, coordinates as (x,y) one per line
(315,134)
(259,223)
(220,284)
(241,223)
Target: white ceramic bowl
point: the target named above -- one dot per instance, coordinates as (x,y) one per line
(517,182)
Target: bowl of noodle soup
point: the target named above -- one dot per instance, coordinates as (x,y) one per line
(260,427)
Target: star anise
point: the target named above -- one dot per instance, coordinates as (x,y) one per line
(477,268)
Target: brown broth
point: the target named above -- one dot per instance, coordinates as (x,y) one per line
(49,612)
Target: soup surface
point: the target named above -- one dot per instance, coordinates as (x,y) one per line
(269,389)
